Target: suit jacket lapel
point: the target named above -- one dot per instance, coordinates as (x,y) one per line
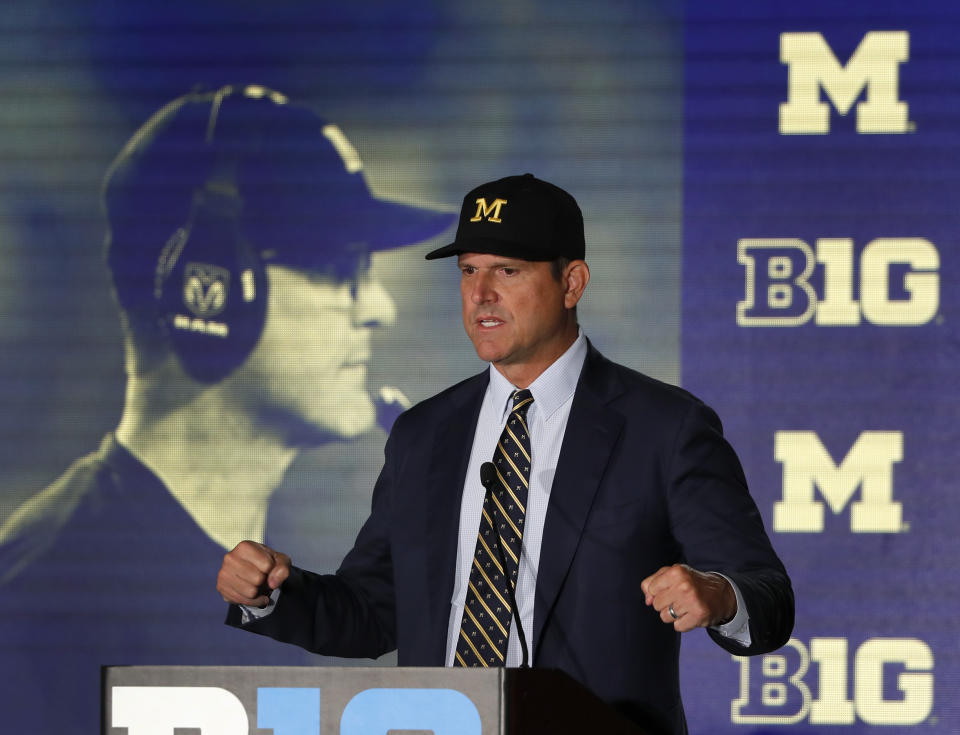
(591,433)
(449,458)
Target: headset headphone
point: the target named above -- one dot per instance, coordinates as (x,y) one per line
(270,173)
(210,285)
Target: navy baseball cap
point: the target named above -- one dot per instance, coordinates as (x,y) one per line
(304,201)
(518,217)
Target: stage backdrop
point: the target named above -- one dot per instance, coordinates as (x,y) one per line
(821,152)
(769,195)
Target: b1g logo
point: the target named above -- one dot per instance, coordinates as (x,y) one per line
(874,66)
(788,283)
(209,710)
(868,466)
(892,684)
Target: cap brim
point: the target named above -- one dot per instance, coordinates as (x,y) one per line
(317,240)
(394,224)
(444,252)
(488,247)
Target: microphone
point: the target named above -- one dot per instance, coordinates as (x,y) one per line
(389,402)
(488,476)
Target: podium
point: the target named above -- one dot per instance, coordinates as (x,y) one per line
(284,700)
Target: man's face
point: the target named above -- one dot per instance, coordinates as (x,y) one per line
(515,313)
(310,367)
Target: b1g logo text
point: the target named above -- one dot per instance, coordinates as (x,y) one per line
(211,710)
(788,283)
(868,466)
(874,66)
(892,683)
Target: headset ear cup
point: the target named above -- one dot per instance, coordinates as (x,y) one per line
(211,290)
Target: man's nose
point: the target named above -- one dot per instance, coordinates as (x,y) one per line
(482,289)
(373,306)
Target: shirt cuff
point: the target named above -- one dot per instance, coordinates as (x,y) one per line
(738,628)
(249,614)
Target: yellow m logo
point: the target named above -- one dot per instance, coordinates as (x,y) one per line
(491,212)
(874,66)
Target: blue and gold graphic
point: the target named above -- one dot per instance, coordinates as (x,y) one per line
(821,150)
(771,196)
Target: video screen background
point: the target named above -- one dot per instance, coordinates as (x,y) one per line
(660,117)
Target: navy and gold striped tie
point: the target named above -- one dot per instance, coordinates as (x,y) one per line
(485,628)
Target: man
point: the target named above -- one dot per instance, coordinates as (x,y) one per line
(634,523)
(239,244)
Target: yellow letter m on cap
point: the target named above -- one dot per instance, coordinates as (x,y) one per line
(491,212)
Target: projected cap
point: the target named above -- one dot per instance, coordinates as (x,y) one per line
(305,202)
(307,199)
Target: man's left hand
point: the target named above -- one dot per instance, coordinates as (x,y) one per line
(689,599)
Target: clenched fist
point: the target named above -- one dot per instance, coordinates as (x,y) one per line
(250,573)
(689,599)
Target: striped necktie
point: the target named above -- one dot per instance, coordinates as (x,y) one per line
(485,627)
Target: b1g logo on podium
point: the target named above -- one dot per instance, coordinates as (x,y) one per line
(892,684)
(899,282)
(211,710)
(874,66)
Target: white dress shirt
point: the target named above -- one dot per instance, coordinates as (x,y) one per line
(547,419)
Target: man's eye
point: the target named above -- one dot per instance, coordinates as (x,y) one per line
(348,268)
(509,271)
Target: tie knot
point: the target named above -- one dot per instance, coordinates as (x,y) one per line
(521,401)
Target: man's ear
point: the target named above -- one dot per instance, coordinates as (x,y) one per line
(576,276)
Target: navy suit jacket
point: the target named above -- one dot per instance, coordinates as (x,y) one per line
(645,479)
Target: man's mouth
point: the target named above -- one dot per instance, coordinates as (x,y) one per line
(358,359)
(489,322)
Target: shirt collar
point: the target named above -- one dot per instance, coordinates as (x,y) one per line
(552,388)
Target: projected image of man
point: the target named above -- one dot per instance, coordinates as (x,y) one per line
(240,238)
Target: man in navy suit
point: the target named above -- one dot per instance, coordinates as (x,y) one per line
(637,527)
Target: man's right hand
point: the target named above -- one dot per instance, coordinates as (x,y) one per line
(250,573)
